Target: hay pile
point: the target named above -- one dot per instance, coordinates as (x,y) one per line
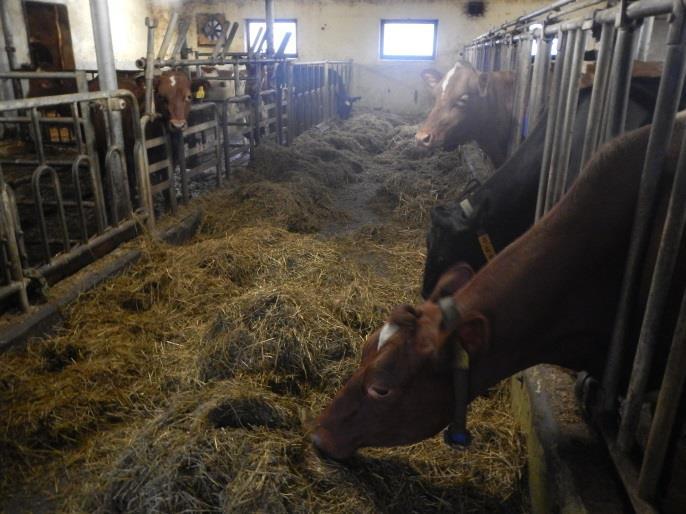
(187,383)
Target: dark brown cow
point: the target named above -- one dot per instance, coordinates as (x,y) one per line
(549,297)
(469,106)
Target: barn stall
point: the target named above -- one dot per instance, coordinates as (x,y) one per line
(179,307)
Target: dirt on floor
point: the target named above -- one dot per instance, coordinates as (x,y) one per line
(188,383)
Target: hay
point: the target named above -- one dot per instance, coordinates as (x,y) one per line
(187,383)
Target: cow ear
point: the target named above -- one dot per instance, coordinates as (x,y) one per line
(483,83)
(452,281)
(432,77)
(474,332)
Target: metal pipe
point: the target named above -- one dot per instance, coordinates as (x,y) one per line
(14,29)
(544,10)
(107,75)
(538,81)
(269,22)
(168,35)
(671,86)
(646,37)
(622,64)
(554,169)
(522,91)
(550,126)
(184,25)
(665,411)
(150,65)
(600,84)
(571,108)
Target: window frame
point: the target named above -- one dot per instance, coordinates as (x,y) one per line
(408,21)
(248,21)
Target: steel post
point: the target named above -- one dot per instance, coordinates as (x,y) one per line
(555,94)
(522,91)
(671,86)
(539,80)
(675,371)
(555,169)
(269,22)
(570,110)
(622,64)
(168,36)
(600,84)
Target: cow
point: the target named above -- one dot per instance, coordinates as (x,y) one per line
(549,297)
(469,105)
(307,78)
(503,207)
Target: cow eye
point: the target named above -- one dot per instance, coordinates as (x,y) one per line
(462,101)
(378,391)
(189,98)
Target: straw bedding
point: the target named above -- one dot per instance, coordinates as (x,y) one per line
(188,383)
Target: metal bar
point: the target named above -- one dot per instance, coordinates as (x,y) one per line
(168,36)
(555,94)
(671,86)
(627,472)
(229,39)
(150,65)
(522,91)
(269,23)
(600,84)
(622,64)
(646,38)
(181,34)
(570,110)
(555,161)
(9,212)
(258,38)
(675,371)
(539,80)
(38,199)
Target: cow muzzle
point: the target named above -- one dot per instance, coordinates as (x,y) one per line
(325,449)
(177,124)
(424,139)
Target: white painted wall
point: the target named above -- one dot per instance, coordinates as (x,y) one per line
(343,29)
(128,31)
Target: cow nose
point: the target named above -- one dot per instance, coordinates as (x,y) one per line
(178,124)
(423,138)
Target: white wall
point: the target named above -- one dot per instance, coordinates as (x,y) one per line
(343,29)
(127,18)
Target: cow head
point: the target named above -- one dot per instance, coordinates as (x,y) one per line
(459,97)
(174,92)
(402,392)
(452,235)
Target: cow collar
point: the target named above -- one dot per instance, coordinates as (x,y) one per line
(457,435)
(485,243)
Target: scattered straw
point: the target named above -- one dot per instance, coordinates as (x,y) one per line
(187,383)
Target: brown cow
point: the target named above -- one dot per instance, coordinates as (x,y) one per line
(549,297)
(469,106)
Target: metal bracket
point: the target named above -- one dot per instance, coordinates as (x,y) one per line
(116,104)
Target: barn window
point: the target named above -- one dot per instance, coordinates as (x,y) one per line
(281,27)
(408,39)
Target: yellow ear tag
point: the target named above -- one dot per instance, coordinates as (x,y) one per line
(200,93)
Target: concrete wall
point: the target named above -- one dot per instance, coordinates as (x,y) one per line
(343,29)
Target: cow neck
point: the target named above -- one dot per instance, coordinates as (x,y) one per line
(548,285)
(494,133)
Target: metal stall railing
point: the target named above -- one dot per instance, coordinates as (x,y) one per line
(256,96)
(621,33)
(315,88)
(60,208)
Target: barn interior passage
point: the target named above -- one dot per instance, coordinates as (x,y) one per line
(256,256)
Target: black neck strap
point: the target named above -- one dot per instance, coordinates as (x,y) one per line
(457,435)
